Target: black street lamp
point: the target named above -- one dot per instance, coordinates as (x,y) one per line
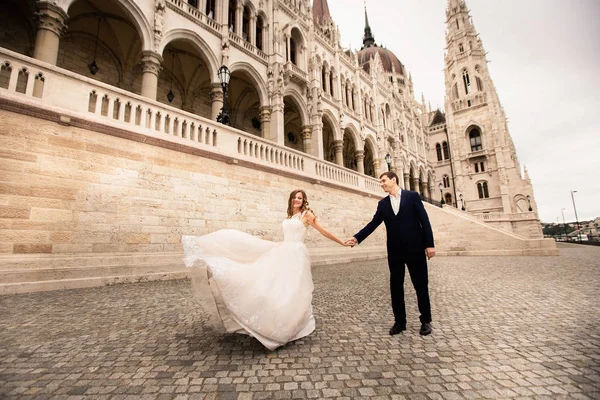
(576,218)
(224,76)
(388,160)
(529,202)
(462,203)
(442,194)
(93,66)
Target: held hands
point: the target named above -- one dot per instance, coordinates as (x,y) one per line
(430,252)
(351,242)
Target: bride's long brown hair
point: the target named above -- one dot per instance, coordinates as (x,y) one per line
(303,207)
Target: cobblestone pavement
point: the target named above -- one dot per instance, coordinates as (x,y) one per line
(504,327)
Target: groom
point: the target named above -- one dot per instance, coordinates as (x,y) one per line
(409,241)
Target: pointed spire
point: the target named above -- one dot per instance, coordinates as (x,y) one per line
(321,12)
(368,38)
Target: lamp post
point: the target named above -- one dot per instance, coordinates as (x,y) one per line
(529,202)
(576,218)
(224,77)
(388,160)
(562,211)
(462,202)
(441,194)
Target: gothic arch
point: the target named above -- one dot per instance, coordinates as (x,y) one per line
(355,136)
(198,42)
(299,102)
(328,115)
(143,26)
(259,83)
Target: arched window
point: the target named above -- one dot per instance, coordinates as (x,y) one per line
(293,51)
(259,33)
(482,190)
(446,149)
(324,78)
(466,81)
(475,140)
(479,83)
(246,24)
(210,9)
(193,3)
(231,16)
(461,48)
(331,81)
(446,181)
(438,151)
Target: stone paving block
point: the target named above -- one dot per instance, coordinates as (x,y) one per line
(504,328)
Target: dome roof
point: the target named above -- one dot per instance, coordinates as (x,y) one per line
(369,49)
(388,59)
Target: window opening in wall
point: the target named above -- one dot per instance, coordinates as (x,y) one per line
(482,190)
(246,24)
(259,33)
(461,48)
(104,106)
(116,109)
(210,9)
(22,81)
(5,72)
(438,151)
(475,140)
(193,3)
(127,114)
(466,81)
(231,15)
(293,51)
(446,149)
(92,102)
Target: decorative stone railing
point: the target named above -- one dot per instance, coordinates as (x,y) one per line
(36,84)
(492,217)
(195,15)
(473,100)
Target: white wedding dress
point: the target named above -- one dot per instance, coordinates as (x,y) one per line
(254,286)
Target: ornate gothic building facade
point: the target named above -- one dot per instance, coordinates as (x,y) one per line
(292,87)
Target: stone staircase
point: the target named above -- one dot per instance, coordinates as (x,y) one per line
(455,234)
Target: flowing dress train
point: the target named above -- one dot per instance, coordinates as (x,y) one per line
(255,286)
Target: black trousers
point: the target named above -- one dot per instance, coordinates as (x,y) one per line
(417,268)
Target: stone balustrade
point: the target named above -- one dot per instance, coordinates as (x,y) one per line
(27,80)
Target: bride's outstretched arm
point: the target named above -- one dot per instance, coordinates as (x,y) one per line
(312,221)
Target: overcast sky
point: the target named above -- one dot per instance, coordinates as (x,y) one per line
(545,63)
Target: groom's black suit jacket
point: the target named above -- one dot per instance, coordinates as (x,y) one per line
(408,231)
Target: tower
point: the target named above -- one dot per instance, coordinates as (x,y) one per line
(486,168)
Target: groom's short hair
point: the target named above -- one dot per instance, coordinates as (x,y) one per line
(391,175)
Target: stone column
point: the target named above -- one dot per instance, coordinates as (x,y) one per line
(360,161)
(252,31)
(216,95)
(417,185)
(338,146)
(377,166)
(307,139)
(327,82)
(277,123)
(239,18)
(151,66)
(51,26)
(407,181)
(265,121)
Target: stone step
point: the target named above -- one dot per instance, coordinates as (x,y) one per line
(49,274)
(38,286)
(34,261)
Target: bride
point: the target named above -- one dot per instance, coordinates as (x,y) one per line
(258,287)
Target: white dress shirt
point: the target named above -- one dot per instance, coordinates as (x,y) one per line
(396,202)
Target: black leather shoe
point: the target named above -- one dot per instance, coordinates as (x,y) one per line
(397,328)
(425,329)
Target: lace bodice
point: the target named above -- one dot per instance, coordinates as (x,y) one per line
(294,229)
